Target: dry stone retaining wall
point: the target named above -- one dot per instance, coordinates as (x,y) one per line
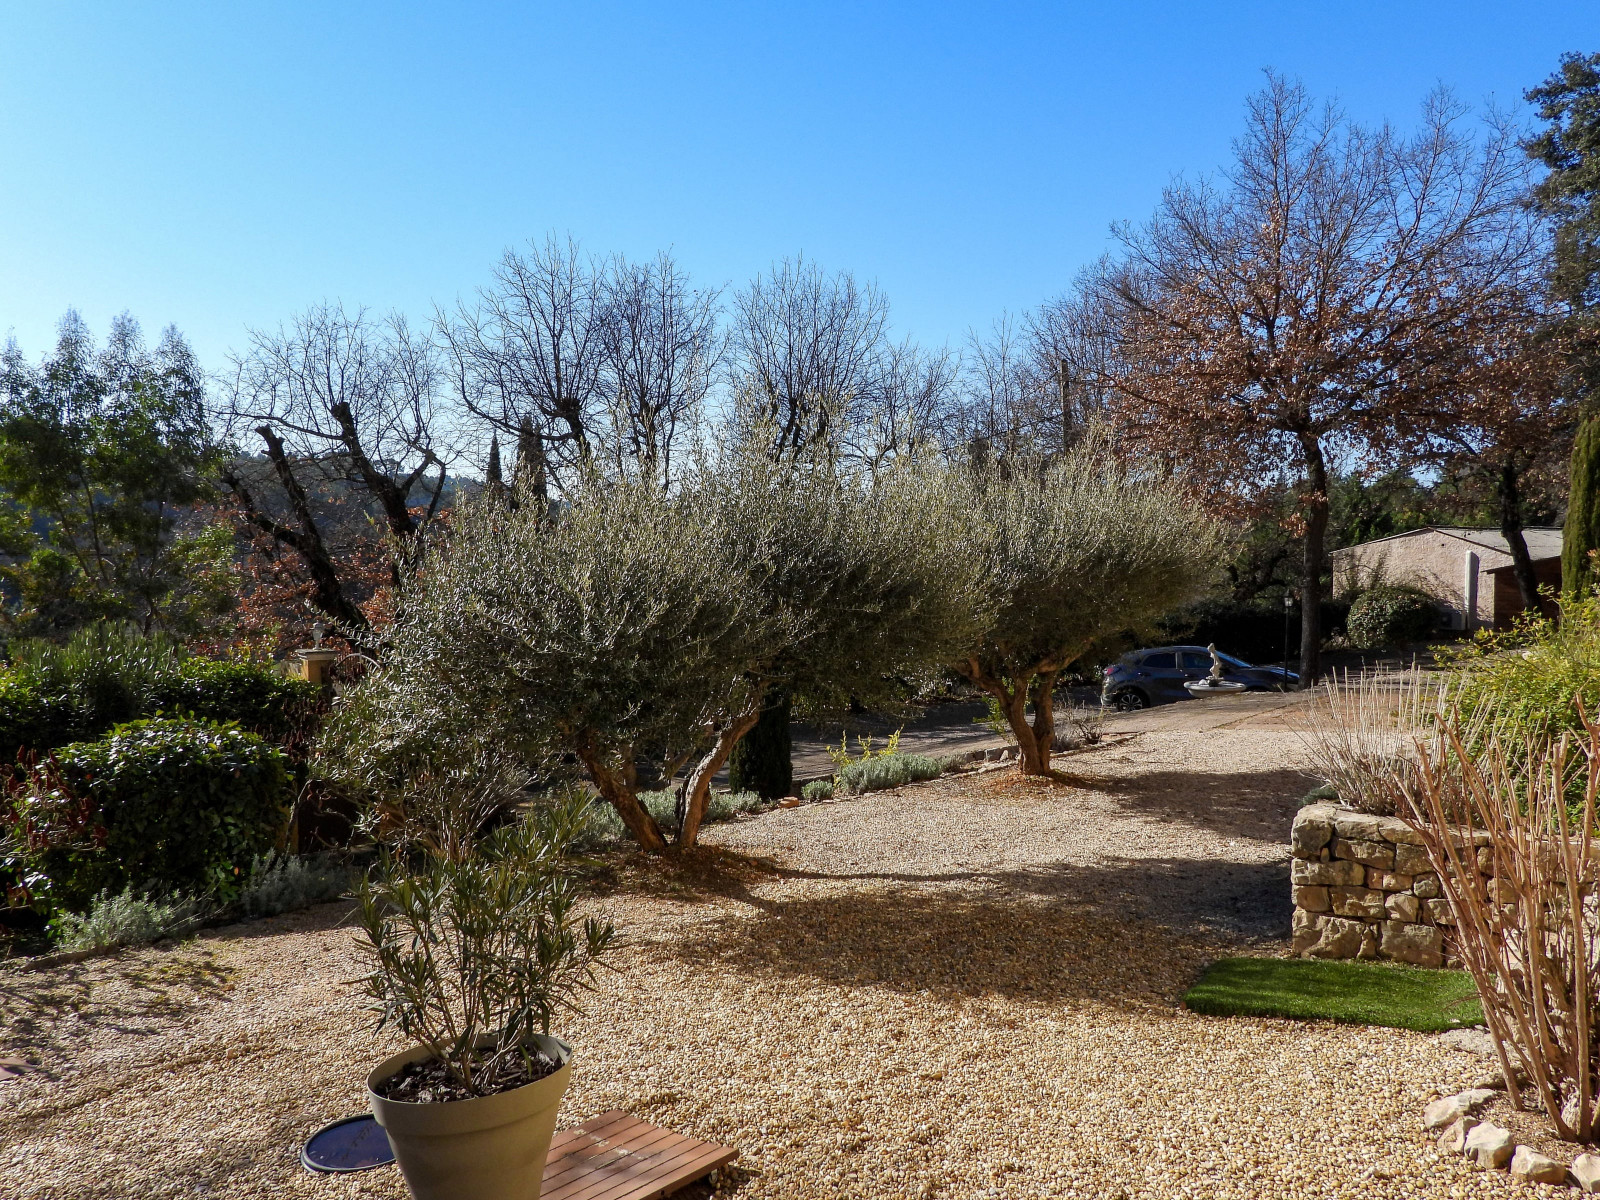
(1363,888)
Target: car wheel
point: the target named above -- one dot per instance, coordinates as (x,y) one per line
(1130,700)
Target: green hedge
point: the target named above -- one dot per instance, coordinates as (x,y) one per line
(283,710)
(55,699)
(168,805)
(1391,616)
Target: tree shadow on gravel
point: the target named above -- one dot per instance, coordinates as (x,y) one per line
(1134,933)
(134,995)
(1259,805)
(319,918)
(956,947)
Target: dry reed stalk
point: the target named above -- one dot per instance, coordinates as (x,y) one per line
(1528,919)
(1362,732)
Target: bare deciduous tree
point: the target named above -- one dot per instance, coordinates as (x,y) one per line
(339,402)
(661,348)
(808,355)
(1261,320)
(531,349)
(586,362)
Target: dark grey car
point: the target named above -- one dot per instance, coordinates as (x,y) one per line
(1157,676)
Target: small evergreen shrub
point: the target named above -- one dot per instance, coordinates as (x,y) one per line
(286,883)
(1530,680)
(816,790)
(1391,616)
(127,919)
(886,771)
(169,805)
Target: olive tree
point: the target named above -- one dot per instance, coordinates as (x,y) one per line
(637,628)
(1074,552)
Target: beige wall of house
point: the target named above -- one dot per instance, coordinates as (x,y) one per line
(1452,565)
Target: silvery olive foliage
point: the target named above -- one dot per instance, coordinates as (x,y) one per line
(1074,551)
(634,625)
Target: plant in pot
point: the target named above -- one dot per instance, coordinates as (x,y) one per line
(474,950)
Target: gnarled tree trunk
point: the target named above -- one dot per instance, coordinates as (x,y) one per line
(617,788)
(695,791)
(1035,740)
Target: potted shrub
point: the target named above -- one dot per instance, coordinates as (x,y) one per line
(474,951)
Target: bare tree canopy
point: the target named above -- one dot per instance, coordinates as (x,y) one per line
(586,361)
(661,348)
(530,349)
(808,354)
(338,400)
(1263,320)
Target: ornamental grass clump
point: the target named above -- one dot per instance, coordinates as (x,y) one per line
(474,952)
(1509,825)
(1362,733)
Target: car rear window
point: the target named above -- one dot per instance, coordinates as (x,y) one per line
(1159,660)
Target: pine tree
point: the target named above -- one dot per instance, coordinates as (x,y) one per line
(1569,101)
(760,760)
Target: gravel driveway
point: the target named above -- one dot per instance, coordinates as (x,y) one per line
(966,988)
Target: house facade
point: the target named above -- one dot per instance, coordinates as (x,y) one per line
(1468,571)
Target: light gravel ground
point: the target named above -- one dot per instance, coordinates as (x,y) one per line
(967,988)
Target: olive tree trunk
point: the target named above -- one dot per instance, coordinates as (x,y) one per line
(619,788)
(695,791)
(1035,739)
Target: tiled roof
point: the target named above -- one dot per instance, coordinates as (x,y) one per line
(1543,541)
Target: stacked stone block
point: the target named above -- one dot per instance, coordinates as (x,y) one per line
(1363,888)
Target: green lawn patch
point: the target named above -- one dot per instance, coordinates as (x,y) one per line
(1321,990)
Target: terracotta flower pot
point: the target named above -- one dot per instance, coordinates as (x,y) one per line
(486,1148)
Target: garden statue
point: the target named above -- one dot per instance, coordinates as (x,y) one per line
(1216,683)
(1216,664)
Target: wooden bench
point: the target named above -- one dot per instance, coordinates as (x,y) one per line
(618,1157)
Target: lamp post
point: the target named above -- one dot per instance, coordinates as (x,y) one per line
(1288,608)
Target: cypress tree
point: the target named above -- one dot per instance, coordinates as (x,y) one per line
(1581,533)
(492,476)
(760,760)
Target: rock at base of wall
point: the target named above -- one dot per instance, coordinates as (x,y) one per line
(1419,945)
(1317,936)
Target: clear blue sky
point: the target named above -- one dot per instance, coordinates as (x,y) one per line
(221,165)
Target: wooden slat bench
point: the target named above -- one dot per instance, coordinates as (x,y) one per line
(618,1157)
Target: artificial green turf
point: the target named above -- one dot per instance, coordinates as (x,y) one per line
(1324,990)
